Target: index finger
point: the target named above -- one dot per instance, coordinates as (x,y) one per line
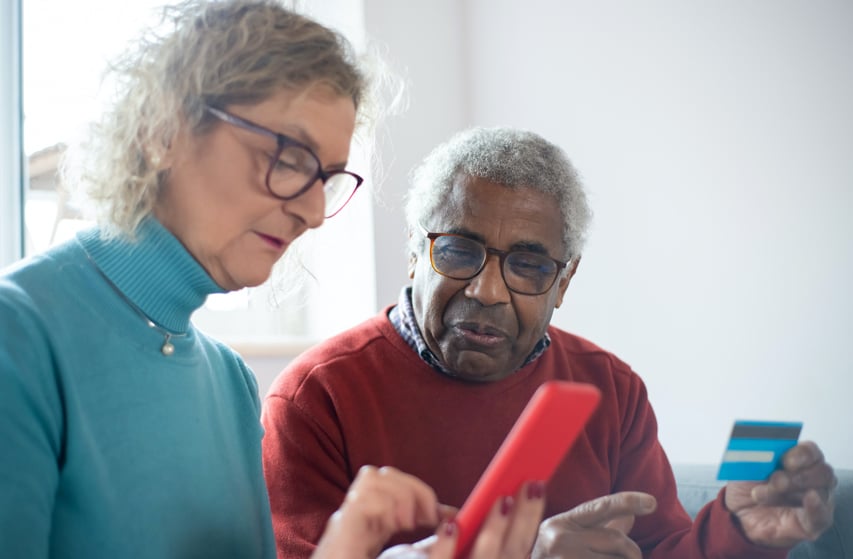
(600,511)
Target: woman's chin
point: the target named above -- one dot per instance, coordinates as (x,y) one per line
(236,282)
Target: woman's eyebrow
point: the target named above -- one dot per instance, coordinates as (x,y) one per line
(299,133)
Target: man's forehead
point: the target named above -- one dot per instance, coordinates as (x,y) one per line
(496,213)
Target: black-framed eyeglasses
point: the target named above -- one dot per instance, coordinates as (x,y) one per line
(294,167)
(462,258)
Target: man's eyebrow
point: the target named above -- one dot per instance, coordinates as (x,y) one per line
(463,232)
(530,246)
(527,246)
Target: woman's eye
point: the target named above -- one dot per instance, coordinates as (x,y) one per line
(284,165)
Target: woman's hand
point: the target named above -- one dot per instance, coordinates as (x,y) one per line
(380,502)
(384,501)
(507,532)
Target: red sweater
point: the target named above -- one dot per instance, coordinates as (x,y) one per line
(366,397)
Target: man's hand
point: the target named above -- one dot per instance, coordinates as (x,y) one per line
(794,505)
(597,528)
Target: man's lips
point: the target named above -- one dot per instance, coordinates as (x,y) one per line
(482,334)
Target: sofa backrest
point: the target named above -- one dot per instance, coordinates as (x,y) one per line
(697,485)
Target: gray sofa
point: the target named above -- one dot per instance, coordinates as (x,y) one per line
(697,484)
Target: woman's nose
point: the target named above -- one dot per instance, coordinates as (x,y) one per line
(310,206)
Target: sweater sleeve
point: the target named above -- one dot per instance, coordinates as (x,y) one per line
(306,472)
(30,429)
(669,532)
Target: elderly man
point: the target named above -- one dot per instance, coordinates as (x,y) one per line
(497,220)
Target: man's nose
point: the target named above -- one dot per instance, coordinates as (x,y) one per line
(488,287)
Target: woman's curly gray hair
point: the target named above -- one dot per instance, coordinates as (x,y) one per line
(510,157)
(216,52)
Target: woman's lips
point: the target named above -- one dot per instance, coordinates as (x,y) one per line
(274,242)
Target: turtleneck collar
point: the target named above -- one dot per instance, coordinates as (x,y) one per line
(154,271)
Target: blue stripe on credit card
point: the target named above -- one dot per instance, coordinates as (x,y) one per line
(755,449)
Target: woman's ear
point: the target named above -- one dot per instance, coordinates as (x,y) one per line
(159,158)
(160,152)
(157,162)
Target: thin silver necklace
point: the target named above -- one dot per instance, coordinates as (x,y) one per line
(168,348)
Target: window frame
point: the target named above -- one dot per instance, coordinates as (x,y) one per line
(11,135)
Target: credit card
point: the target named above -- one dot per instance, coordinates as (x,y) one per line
(756,447)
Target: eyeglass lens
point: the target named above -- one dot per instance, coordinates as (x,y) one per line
(462,258)
(296,168)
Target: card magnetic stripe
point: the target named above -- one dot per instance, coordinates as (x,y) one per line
(757,430)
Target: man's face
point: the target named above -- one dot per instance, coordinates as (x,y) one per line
(478,328)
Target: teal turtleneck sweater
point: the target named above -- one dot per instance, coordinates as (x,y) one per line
(108,447)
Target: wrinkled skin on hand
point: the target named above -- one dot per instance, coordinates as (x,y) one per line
(597,528)
(795,504)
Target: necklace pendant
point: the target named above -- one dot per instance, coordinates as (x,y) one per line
(167,349)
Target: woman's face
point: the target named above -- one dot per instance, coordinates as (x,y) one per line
(215,199)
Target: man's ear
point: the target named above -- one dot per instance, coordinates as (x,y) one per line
(413,259)
(410,267)
(564,281)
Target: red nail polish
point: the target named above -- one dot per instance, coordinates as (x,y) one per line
(535,490)
(449,528)
(506,505)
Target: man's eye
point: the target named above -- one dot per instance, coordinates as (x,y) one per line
(458,251)
(529,265)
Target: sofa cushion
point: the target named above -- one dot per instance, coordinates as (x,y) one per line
(697,485)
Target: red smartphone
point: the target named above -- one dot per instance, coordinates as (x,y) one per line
(534,447)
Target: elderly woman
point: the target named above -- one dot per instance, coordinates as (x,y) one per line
(124,431)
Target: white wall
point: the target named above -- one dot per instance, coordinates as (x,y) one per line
(424,45)
(716,141)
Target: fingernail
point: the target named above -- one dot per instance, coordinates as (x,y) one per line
(448,529)
(506,505)
(535,490)
(797,461)
(759,493)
